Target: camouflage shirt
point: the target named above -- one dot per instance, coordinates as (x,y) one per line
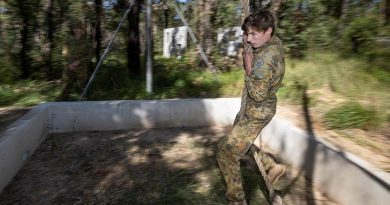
(258,97)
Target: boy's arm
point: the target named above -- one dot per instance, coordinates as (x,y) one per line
(259,81)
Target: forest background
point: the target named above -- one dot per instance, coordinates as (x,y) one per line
(338,54)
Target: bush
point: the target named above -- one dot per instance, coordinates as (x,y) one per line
(8,72)
(360,34)
(350,115)
(7,96)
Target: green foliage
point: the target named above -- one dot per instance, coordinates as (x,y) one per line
(227,14)
(322,33)
(28,93)
(381,75)
(7,96)
(360,33)
(172,78)
(350,115)
(329,77)
(8,72)
(378,52)
(293,22)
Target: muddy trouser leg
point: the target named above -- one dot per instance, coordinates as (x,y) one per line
(233,147)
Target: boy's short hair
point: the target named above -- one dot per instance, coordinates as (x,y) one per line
(260,20)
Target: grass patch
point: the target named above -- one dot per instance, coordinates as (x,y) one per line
(352,77)
(28,93)
(350,115)
(331,79)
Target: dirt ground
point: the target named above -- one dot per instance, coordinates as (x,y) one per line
(153,166)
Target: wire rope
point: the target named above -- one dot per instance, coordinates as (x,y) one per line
(106,51)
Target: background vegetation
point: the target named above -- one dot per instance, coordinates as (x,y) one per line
(338,52)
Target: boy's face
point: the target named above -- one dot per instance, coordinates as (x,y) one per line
(258,38)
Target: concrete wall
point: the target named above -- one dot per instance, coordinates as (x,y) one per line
(124,115)
(341,176)
(20,141)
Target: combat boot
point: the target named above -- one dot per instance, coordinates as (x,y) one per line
(243,202)
(276,171)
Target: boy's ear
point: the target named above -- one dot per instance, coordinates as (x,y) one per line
(269,31)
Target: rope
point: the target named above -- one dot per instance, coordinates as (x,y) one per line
(106,51)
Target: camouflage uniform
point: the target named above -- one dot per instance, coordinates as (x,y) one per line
(258,106)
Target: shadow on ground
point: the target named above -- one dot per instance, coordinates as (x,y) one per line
(152,166)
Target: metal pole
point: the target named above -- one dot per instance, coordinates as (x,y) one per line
(149,67)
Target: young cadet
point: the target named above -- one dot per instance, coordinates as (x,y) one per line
(264,71)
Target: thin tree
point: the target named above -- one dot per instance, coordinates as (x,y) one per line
(1,22)
(50,39)
(27,11)
(387,12)
(133,39)
(166,13)
(209,31)
(98,30)
(204,25)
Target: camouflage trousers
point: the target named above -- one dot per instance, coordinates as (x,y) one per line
(233,147)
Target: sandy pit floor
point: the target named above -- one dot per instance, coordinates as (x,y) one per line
(152,166)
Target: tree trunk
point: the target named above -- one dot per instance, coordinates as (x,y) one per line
(297,51)
(245,9)
(275,7)
(25,60)
(201,25)
(338,12)
(205,29)
(208,27)
(166,14)
(133,42)
(387,12)
(1,23)
(26,38)
(344,9)
(98,32)
(50,38)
